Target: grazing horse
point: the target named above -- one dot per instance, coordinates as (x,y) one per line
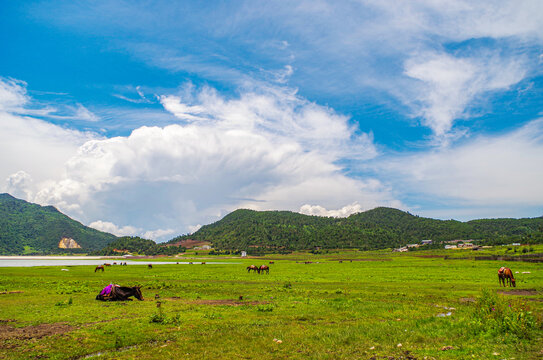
(119,293)
(271,262)
(99,267)
(264,268)
(106,264)
(150,266)
(506,275)
(252,267)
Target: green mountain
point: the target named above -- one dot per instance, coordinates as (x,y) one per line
(374,229)
(31,228)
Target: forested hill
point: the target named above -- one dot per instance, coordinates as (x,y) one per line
(373,229)
(31,228)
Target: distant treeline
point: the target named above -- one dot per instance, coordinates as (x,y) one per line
(136,245)
(284,231)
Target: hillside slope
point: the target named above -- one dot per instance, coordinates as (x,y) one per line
(39,229)
(374,229)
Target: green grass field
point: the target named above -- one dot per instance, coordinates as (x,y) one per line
(379,306)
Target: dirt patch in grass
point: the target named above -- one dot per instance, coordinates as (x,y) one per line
(221,302)
(33,331)
(519,292)
(467,300)
(11,292)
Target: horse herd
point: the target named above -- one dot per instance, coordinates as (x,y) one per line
(258,269)
(122,293)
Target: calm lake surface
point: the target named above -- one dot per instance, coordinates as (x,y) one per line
(71,261)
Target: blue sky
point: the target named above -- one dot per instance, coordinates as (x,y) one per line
(152,118)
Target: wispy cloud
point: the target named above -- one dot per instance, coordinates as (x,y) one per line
(418,51)
(14,99)
(447,85)
(142,99)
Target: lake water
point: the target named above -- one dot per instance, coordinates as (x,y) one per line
(21,261)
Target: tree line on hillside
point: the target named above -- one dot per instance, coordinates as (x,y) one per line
(283,231)
(137,246)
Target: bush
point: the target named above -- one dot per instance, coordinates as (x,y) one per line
(493,315)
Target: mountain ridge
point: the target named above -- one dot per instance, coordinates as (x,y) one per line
(377,228)
(31,228)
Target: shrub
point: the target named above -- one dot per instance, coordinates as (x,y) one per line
(493,315)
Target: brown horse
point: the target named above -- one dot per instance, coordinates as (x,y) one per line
(121,293)
(253,268)
(99,267)
(150,266)
(263,268)
(506,275)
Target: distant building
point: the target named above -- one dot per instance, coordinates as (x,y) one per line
(243,253)
(426,242)
(402,249)
(515,244)
(451,247)
(458,241)
(413,246)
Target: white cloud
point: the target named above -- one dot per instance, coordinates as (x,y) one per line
(19,185)
(174,105)
(157,234)
(318,210)
(194,228)
(340,48)
(267,149)
(129,230)
(82,113)
(501,171)
(12,95)
(447,85)
(35,147)
(111,228)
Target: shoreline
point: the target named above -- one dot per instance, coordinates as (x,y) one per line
(57,257)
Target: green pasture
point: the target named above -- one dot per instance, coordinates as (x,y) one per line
(378,306)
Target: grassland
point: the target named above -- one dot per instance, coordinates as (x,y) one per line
(379,306)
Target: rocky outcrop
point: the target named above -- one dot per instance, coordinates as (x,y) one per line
(68,243)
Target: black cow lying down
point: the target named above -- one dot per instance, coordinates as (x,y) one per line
(119,293)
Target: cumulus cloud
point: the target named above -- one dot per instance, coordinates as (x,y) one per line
(129,230)
(158,234)
(318,210)
(111,228)
(267,149)
(19,185)
(31,146)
